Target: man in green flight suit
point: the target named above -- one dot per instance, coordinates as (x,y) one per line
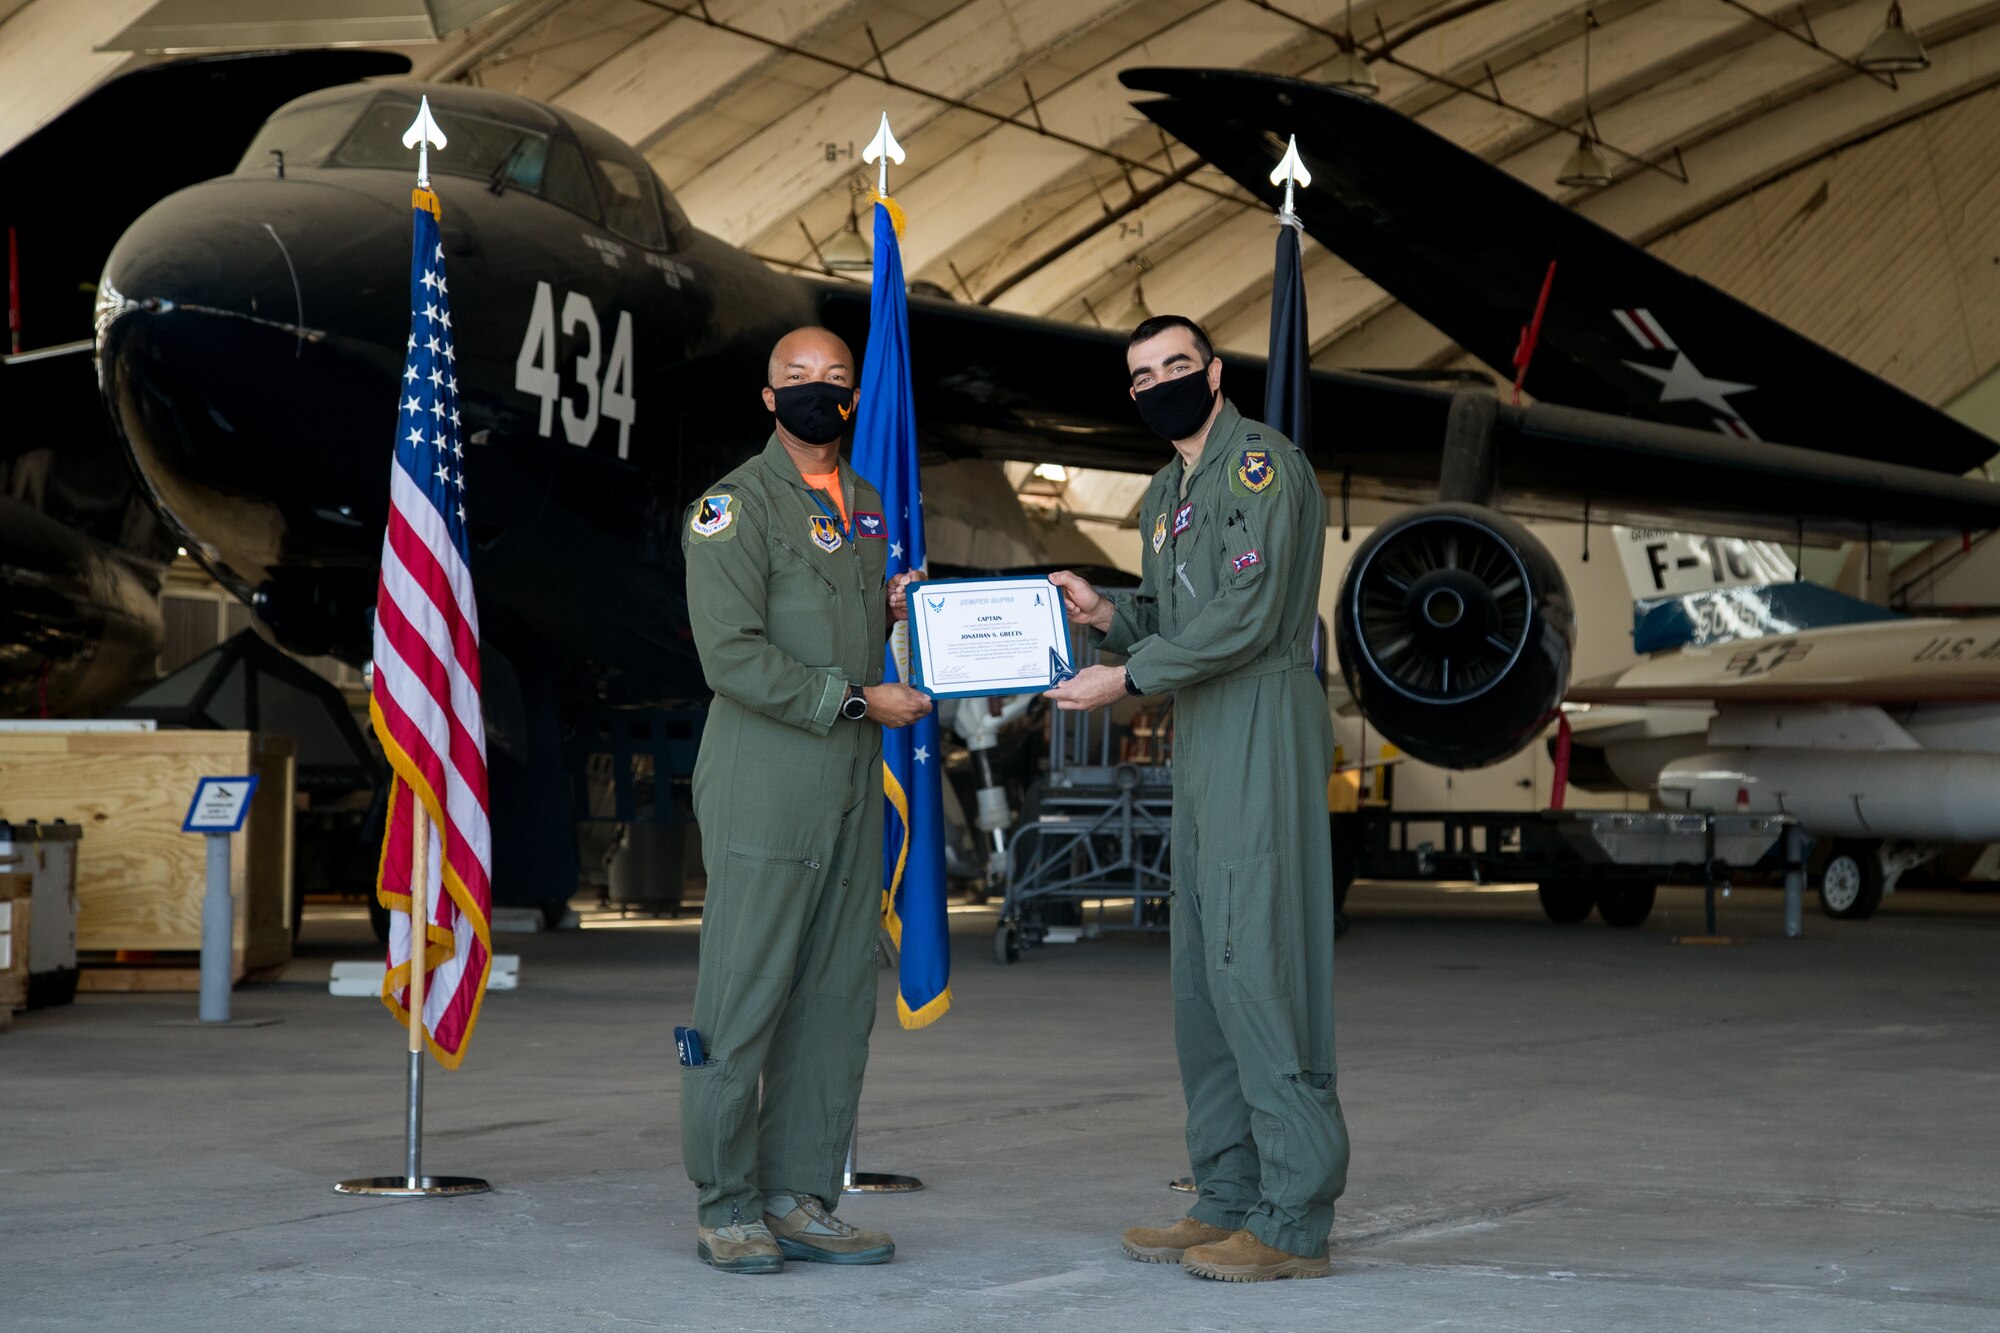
(1224,618)
(785,563)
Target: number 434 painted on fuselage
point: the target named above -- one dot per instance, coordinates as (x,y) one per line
(604,379)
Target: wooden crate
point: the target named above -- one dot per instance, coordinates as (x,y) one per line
(139,879)
(17,893)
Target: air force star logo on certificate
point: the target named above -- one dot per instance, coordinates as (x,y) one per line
(713,515)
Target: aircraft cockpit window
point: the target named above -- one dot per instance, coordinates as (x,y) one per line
(305,136)
(628,204)
(479,147)
(566,180)
(625,184)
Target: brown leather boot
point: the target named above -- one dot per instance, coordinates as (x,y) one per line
(1163,1245)
(1244,1258)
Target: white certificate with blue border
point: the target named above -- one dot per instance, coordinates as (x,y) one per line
(976,637)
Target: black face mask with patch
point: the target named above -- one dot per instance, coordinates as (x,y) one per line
(1175,409)
(816,412)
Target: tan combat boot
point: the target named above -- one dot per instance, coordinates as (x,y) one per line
(1163,1245)
(808,1231)
(742,1247)
(1244,1258)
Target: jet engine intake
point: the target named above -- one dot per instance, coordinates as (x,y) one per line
(1455,630)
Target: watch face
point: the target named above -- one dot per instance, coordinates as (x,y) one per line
(855,708)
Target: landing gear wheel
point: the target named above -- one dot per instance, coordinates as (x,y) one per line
(1625,905)
(1566,901)
(1850,884)
(1006,944)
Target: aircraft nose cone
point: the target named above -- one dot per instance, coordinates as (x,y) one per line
(230,358)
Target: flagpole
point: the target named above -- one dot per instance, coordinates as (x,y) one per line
(420,916)
(422,135)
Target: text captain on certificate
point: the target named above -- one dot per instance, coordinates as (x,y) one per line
(971,637)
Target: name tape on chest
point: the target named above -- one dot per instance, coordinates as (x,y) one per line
(1183,518)
(870,525)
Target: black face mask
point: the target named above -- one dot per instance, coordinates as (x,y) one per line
(1174,409)
(816,412)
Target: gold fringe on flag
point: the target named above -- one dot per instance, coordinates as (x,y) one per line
(897,218)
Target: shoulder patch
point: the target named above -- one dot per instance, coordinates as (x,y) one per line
(1256,472)
(713,518)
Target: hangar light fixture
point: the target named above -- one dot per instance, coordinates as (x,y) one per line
(1895,49)
(1349,71)
(1585,166)
(1138,312)
(847,252)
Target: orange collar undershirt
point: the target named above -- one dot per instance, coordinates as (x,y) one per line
(830,483)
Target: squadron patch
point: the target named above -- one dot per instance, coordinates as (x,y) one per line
(1255,473)
(825,533)
(870,525)
(713,515)
(1244,561)
(1183,519)
(1159,533)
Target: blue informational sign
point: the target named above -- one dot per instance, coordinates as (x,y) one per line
(219,805)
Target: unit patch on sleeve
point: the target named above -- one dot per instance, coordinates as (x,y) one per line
(870,525)
(1159,533)
(713,516)
(1244,561)
(825,532)
(1183,519)
(1256,472)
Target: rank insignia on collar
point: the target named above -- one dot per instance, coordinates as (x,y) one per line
(825,534)
(712,515)
(870,525)
(1255,472)
(1244,561)
(1159,533)
(1183,519)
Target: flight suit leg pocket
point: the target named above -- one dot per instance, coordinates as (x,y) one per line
(1261,931)
(756,911)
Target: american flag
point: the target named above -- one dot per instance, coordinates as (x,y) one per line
(425,700)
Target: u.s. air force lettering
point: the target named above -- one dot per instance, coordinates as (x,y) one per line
(987,636)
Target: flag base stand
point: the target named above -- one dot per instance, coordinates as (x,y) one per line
(399,1187)
(873,1182)
(413,1183)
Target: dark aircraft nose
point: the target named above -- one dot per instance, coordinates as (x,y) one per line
(248,345)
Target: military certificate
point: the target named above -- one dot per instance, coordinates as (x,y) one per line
(975,637)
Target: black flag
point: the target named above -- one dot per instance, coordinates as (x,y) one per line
(1288,391)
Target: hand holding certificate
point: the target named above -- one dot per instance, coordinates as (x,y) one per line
(977,637)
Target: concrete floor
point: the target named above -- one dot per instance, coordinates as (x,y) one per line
(1554,1129)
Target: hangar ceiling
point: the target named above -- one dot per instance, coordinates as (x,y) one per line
(1034,186)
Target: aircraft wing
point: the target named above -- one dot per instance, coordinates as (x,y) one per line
(1466,246)
(1008,387)
(1904,661)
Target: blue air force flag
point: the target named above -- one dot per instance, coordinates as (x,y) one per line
(885,452)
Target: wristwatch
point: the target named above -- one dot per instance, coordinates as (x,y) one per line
(855,706)
(1131,686)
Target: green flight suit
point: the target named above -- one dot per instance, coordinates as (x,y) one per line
(787,609)
(1224,619)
